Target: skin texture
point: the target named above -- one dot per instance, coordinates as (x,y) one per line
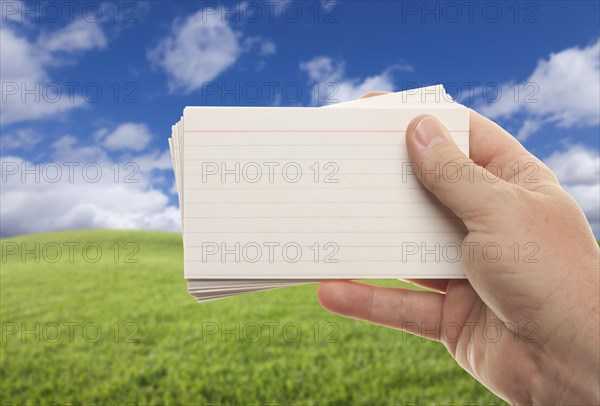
(525,325)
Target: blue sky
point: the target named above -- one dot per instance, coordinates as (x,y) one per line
(150,59)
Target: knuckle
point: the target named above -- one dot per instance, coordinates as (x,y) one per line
(452,165)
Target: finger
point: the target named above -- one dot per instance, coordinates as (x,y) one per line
(447,172)
(414,311)
(441,285)
(372,94)
(492,147)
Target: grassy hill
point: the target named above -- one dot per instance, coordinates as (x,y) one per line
(119,327)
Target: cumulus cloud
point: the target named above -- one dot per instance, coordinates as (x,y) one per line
(77,36)
(267,47)
(25,64)
(578,170)
(154,160)
(562,90)
(20,60)
(128,136)
(67,148)
(334,86)
(23,138)
(201,47)
(81,186)
(32,207)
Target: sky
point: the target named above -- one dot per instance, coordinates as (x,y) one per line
(90,89)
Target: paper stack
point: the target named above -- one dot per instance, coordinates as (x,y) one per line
(278,196)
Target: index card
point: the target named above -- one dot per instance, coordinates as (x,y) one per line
(308,193)
(204,289)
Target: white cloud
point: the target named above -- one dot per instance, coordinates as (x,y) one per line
(528,128)
(334,86)
(77,36)
(267,47)
(200,48)
(20,60)
(25,64)
(155,160)
(92,191)
(128,136)
(66,149)
(22,138)
(562,90)
(578,170)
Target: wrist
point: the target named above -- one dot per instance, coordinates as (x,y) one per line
(568,364)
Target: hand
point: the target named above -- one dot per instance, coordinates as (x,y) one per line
(525,325)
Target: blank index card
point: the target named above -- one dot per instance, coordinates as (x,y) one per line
(285,196)
(308,193)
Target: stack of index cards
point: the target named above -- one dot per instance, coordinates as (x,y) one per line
(278,196)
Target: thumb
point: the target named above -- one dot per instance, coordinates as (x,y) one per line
(463,186)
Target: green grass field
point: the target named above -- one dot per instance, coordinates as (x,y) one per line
(130,333)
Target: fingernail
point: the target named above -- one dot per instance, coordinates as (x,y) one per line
(430,132)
